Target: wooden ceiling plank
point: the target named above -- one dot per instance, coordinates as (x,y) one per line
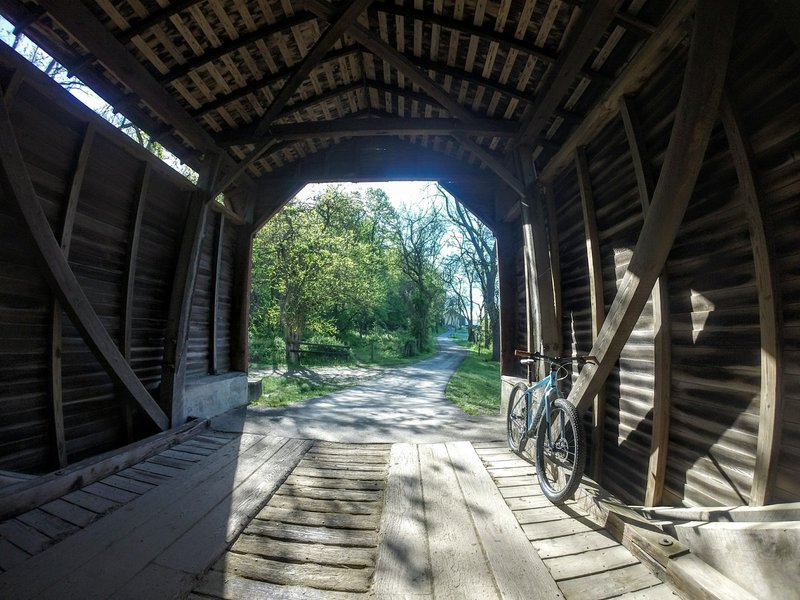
(695,117)
(233,45)
(595,18)
(157,18)
(58,273)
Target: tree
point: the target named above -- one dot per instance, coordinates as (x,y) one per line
(418,237)
(477,249)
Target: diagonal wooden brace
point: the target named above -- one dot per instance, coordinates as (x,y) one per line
(695,117)
(18,184)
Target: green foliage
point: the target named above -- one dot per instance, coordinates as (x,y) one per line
(340,263)
(475,386)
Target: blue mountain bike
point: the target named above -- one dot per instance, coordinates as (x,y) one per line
(540,413)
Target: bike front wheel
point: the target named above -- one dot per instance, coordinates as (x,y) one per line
(517,417)
(560,457)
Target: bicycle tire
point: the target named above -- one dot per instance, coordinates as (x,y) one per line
(517,417)
(560,469)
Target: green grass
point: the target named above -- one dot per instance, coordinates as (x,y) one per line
(475,386)
(288,389)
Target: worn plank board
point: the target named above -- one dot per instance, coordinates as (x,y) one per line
(250,490)
(573,544)
(451,531)
(300,517)
(322,554)
(330,494)
(312,535)
(325,506)
(46,572)
(69,512)
(517,571)
(229,586)
(403,564)
(311,575)
(587,563)
(630,578)
(48,524)
(350,484)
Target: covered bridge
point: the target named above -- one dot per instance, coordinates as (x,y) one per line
(638,161)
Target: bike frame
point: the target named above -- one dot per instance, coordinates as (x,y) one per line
(549,383)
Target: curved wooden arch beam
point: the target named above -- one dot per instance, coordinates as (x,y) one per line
(695,117)
(662,337)
(59,275)
(596,298)
(770,410)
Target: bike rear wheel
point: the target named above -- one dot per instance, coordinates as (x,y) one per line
(517,417)
(560,457)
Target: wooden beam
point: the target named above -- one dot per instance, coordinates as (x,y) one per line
(337,26)
(12,87)
(56,317)
(173,372)
(129,278)
(596,298)
(159,16)
(216,268)
(771,399)
(60,276)
(787,15)
(647,61)
(662,335)
(357,127)
(695,117)
(508,244)
(555,265)
(595,17)
(27,495)
(240,303)
(403,64)
(537,257)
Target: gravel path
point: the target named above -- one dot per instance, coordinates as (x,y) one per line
(404,404)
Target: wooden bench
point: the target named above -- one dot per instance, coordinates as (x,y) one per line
(308,348)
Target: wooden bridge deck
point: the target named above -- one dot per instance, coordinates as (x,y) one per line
(245,516)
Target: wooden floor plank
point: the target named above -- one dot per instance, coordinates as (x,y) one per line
(326,506)
(51,526)
(403,564)
(109,492)
(299,517)
(338,465)
(609,583)
(78,552)
(327,483)
(457,560)
(229,586)
(588,563)
(11,555)
(250,490)
(559,528)
(91,502)
(520,491)
(517,570)
(180,455)
(573,544)
(23,536)
(660,591)
(321,554)
(338,474)
(69,512)
(330,494)
(167,461)
(313,535)
(127,484)
(321,577)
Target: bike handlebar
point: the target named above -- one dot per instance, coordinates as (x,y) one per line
(558,360)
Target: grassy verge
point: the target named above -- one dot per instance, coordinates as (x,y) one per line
(475,386)
(288,389)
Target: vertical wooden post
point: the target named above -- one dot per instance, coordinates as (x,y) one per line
(555,261)
(662,335)
(769,311)
(56,320)
(174,369)
(596,298)
(129,279)
(695,116)
(240,318)
(216,263)
(537,248)
(508,244)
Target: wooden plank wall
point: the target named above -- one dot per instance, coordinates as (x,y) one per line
(720,382)
(119,215)
(766,93)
